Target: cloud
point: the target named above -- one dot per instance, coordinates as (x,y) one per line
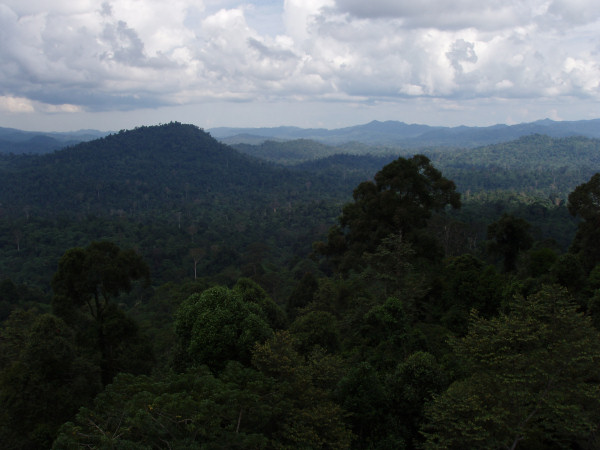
(576,12)
(16,105)
(443,14)
(19,105)
(108,55)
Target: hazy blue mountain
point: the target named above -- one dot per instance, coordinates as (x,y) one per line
(35,142)
(393,133)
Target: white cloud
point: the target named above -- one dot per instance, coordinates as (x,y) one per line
(16,105)
(103,55)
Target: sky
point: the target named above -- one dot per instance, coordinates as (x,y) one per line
(109,65)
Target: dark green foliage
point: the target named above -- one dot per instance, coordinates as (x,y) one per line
(252,292)
(85,286)
(189,410)
(218,326)
(469,284)
(568,272)
(584,201)
(415,382)
(399,201)
(387,330)
(362,394)
(302,295)
(91,277)
(508,237)
(43,380)
(540,261)
(304,413)
(532,379)
(239,408)
(316,328)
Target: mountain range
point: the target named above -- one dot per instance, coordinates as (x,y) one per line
(393,133)
(19,141)
(389,133)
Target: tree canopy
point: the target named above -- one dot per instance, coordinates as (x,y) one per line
(532,379)
(400,200)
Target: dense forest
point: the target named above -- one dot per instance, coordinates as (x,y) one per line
(159,289)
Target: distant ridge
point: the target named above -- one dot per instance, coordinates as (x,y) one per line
(35,142)
(394,133)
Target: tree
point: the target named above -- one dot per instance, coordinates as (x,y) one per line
(85,285)
(410,387)
(43,381)
(400,200)
(316,328)
(302,294)
(194,409)
(584,202)
(361,393)
(197,254)
(252,292)
(303,412)
(508,237)
(468,283)
(532,379)
(217,326)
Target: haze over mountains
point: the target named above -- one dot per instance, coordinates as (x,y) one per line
(388,133)
(395,133)
(19,141)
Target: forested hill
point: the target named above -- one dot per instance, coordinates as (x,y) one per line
(535,164)
(144,169)
(167,190)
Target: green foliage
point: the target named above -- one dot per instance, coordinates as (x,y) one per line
(362,394)
(568,272)
(508,237)
(387,330)
(252,292)
(532,379)
(540,261)
(414,383)
(399,201)
(85,285)
(302,295)
(219,325)
(304,414)
(469,283)
(318,328)
(584,201)
(43,380)
(189,410)
(361,361)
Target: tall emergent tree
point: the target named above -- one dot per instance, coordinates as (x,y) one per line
(85,285)
(400,200)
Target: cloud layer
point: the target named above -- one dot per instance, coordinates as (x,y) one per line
(126,54)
